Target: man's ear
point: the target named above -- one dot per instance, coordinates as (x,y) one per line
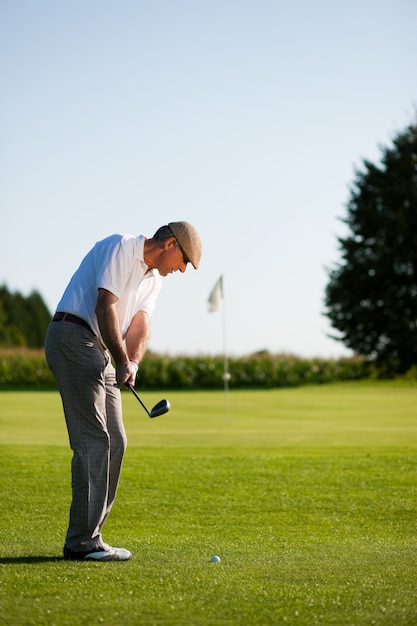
(168,243)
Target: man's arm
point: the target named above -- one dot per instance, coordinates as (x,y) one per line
(137,336)
(109,328)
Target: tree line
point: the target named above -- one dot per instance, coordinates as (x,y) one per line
(23,320)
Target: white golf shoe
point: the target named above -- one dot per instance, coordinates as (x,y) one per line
(102,553)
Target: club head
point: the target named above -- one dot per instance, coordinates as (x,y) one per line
(159,409)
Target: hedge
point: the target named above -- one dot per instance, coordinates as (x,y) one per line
(203,372)
(23,368)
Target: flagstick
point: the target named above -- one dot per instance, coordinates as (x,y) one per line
(226,374)
(216,295)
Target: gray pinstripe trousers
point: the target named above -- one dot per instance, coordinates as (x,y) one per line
(93,413)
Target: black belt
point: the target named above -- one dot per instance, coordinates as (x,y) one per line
(69,317)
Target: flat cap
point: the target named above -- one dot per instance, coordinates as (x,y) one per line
(188,240)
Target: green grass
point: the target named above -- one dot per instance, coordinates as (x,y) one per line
(308,495)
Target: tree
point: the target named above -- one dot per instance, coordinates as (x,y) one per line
(371,296)
(23,321)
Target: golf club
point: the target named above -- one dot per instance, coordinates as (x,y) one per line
(159,409)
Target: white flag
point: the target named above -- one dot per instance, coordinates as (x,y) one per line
(214,299)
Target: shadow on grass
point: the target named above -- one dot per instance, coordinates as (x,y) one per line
(15,560)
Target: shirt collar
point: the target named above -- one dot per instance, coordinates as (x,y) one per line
(140,255)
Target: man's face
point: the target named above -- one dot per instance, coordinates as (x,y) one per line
(171,258)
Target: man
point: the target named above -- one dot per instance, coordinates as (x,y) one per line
(103,313)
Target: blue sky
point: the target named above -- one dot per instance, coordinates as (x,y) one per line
(247,118)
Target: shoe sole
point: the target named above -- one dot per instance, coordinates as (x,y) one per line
(114,554)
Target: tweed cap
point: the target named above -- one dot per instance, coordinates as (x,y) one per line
(188,240)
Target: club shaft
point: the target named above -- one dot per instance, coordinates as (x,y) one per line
(133,390)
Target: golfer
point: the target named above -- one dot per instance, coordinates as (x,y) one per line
(103,316)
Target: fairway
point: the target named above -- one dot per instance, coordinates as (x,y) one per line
(308,496)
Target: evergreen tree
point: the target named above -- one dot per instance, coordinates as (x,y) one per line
(371,296)
(23,321)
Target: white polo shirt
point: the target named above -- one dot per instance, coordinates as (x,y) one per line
(116,264)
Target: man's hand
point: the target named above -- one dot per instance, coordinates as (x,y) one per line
(126,374)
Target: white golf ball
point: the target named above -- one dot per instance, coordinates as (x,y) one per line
(215,559)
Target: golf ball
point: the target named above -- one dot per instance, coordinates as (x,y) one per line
(215,559)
